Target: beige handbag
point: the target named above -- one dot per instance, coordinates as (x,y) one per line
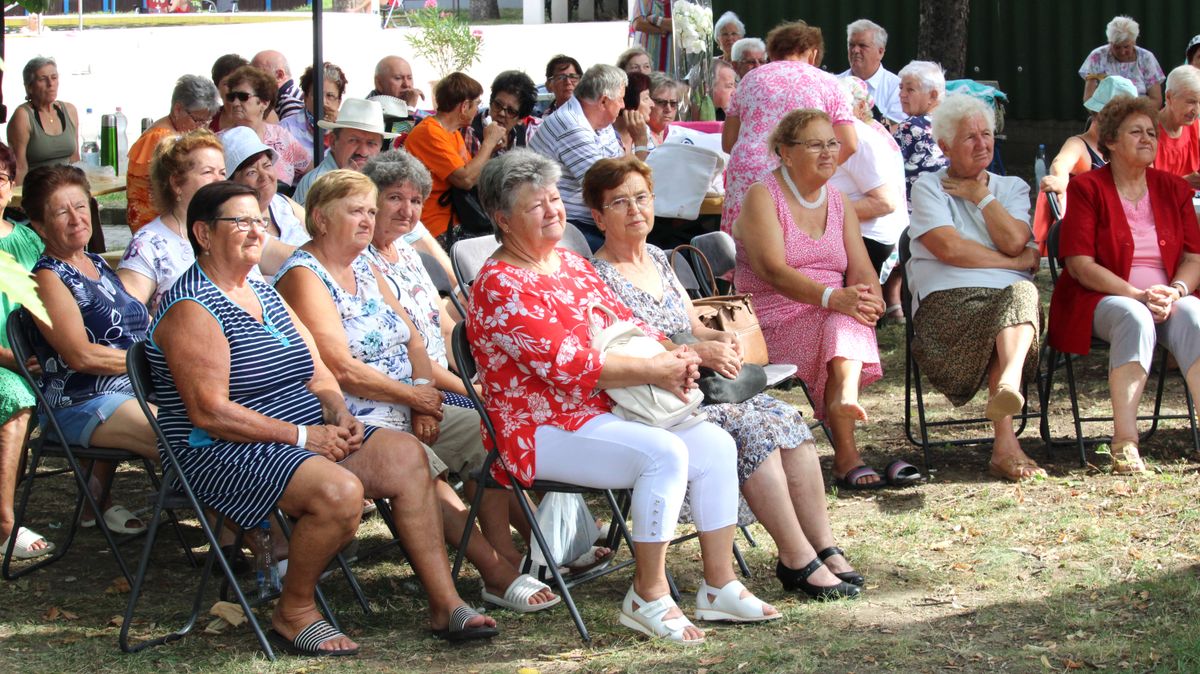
(730,313)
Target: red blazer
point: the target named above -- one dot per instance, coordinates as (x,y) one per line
(1095,226)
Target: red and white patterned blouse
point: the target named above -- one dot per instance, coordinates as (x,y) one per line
(529,335)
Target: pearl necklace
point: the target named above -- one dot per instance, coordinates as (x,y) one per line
(820,200)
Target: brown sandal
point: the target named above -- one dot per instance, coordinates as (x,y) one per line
(1006,403)
(1013,469)
(1126,460)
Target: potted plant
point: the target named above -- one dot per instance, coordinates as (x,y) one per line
(447,43)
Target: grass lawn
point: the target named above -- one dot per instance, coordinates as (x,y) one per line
(1080,571)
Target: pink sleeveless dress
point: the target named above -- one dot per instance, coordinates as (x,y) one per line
(805,334)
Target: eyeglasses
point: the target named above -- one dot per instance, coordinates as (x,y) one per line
(665,103)
(242,96)
(201,117)
(817,147)
(508,112)
(5,179)
(753,62)
(563,77)
(623,203)
(244,223)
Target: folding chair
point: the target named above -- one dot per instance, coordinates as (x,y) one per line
(574,240)
(437,274)
(52,443)
(914,390)
(720,251)
(467,369)
(1052,358)
(467,257)
(170,496)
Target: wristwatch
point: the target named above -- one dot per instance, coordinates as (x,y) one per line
(421,382)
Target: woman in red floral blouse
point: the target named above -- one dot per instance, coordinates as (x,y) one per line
(543,385)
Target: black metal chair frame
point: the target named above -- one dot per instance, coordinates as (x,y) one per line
(52,443)
(1053,356)
(467,369)
(914,390)
(176,492)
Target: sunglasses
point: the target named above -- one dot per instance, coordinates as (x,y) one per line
(242,96)
(665,103)
(510,112)
(563,77)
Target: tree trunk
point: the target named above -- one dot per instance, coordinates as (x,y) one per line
(485,9)
(942,35)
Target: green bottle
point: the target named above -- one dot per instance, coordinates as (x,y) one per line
(109,150)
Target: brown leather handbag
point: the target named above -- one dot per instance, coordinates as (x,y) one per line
(729,313)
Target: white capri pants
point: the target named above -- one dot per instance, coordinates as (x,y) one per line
(1130,330)
(610,453)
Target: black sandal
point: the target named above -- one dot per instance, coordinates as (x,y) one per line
(797,579)
(852,577)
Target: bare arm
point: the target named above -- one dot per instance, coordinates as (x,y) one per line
(1089,87)
(1007,233)
(275,253)
(137,284)
(849,139)
(729,132)
(18,140)
(876,203)
(758,228)
(1059,171)
(68,337)
(1154,93)
(74,115)
(465,177)
(643,25)
(309,298)
(950,247)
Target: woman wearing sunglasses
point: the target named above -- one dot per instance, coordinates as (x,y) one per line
(511,104)
(251,98)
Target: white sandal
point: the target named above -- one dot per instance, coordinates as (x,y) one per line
(649,619)
(728,605)
(25,539)
(519,592)
(116,518)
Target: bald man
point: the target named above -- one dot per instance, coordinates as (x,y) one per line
(290,100)
(394,77)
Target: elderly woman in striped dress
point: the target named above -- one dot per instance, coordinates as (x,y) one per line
(257,420)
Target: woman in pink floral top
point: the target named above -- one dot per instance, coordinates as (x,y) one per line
(543,387)
(790,81)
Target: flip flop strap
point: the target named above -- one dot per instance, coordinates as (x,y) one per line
(523,588)
(859,473)
(460,616)
(310,638)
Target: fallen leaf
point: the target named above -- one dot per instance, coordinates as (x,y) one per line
(118,586)
(1071,664)
(67,615)
(116,621)
(51,614)
(1046,662)
(229,612)
(712,661)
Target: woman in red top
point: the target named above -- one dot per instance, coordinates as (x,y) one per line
(544,389)
(1132,252)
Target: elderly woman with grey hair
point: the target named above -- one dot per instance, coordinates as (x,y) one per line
(666,94)
(42,130)
(747,54)
(976,313)
(193,103)
(545,385)
(727,31)
(922,88)
(1121,56)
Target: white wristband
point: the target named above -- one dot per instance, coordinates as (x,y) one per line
(1183,289)
(985,201)
(825,297)
(641,148)
(301,436)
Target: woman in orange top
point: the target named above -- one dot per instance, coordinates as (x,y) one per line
(439,145)
(193,104)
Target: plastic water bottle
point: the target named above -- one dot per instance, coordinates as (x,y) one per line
(1039,167)
(89,149)
(266,574)
(122,143)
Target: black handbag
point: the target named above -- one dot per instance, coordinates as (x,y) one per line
(468,212)
(717,388)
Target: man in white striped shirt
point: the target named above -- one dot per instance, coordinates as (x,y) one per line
(580,133)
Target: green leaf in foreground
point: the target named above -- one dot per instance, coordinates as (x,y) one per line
(17,283)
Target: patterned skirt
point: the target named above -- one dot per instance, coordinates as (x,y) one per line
(759,426)
(955,335)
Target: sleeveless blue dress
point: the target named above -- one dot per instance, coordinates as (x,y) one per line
(269,368)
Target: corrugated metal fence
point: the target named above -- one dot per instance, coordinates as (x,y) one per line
(1032,47)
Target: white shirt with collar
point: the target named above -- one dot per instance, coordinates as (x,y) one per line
(884,86)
